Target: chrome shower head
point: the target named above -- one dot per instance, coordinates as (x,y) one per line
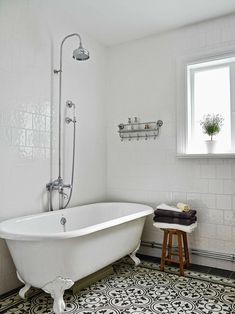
(81,54)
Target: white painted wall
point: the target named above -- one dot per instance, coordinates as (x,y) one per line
(28,93)
(142,83)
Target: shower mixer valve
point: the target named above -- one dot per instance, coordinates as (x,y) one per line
(58,184)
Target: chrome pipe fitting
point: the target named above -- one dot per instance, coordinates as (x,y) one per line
(57,71)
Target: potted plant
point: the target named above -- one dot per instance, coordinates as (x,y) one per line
(211,125)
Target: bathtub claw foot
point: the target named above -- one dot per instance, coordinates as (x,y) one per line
(26,287)
(56,289)
(133,256)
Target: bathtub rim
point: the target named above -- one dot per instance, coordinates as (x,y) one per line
(10,235)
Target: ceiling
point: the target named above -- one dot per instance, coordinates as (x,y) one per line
(113,22)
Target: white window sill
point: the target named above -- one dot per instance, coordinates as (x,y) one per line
(216,155)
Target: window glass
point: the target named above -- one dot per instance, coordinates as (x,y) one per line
(209,92)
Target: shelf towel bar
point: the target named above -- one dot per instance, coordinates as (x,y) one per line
(138,130)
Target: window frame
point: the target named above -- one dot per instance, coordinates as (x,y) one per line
(182,96)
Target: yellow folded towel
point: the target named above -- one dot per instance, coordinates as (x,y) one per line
(183,207)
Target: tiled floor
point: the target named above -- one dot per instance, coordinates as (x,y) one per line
(136,290)
(198,268)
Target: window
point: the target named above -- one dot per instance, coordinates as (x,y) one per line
(210,90)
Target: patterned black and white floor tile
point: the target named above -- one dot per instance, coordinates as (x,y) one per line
(135,290)
(188,273)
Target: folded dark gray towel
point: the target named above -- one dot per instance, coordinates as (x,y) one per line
(170,213)
(178,221)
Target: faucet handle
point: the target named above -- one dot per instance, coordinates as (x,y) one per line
(69,104)
(68,120)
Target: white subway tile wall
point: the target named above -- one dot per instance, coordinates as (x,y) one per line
(21,129)
(28,110)
(148,171)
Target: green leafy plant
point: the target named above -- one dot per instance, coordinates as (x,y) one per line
(211,124)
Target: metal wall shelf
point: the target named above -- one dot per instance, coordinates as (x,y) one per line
(138,130)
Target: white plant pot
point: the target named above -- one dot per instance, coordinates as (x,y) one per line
(210,146)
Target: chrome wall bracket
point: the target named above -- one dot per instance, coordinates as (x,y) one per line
(57,71)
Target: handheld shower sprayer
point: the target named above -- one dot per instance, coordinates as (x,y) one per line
(80,54)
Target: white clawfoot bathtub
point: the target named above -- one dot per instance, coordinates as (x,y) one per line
(53,250)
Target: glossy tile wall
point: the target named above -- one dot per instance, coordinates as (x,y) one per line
(149,171)
(28,115)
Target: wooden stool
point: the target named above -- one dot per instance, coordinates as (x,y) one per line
(182,252)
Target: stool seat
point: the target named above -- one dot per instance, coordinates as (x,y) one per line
(182,252)
(164,225)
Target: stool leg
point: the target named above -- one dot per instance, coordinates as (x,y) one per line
(164,250)
(169,246)
(180,252)
(186,252)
